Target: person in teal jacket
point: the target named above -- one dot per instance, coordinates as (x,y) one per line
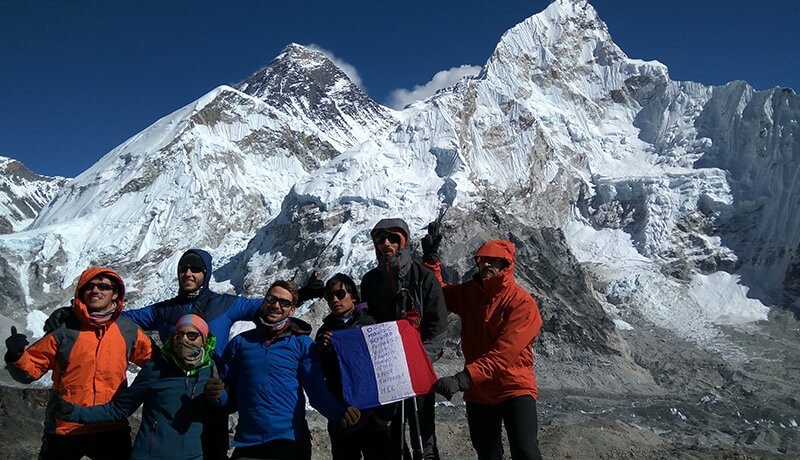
(171,387)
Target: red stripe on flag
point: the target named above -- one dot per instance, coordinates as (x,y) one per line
(419,365)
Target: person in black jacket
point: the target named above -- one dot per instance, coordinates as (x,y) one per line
(370,436)
(400,287)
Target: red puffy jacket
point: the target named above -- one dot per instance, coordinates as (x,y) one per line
(499,323)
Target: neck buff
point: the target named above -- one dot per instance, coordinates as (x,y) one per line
(273,326)
(190,354)
(101,317)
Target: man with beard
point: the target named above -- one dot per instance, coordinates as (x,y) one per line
(399,287)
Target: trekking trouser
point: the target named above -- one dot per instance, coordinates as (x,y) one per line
(521,423)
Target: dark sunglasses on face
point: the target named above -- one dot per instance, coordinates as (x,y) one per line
(339,294)
(393,238)
(99,286)
(189,335)
(191,268)
(284,303)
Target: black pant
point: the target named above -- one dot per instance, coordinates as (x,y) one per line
(427,430)
(105,445)
(279,449)
(519,417)
(370,440)
(215,438)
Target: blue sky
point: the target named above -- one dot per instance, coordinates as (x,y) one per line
(80,77)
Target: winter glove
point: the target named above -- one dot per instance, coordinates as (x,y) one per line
(15,346)
(350,418)
(448,386)
(62,409)
(430,243)
(57,318)
(314,289)
(214,388)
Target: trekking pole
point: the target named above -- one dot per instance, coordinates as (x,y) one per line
(402,427)
(419,448)
(405,296)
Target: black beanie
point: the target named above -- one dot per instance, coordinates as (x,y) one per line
(191,258)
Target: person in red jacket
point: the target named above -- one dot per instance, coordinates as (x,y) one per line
(499,323)
(89,358)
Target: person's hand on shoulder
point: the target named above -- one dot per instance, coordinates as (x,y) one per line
(57,318)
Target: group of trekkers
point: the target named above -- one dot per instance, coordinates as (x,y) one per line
(189,385)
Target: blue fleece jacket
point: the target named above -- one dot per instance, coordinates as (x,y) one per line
(265,379)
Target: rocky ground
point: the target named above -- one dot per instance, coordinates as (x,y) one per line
(661,399)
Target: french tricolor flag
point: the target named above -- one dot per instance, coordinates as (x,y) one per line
(382,363)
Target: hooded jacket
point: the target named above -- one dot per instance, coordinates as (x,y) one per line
(265,379)
(174,406)
(499,323)
(89,361)
(220,311)
(396,282)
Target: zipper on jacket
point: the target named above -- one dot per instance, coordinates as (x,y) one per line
(154,427)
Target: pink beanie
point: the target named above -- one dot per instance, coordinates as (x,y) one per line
(195,321)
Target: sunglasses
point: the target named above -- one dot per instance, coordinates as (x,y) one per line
(339,294)
(191,268)
(189,335)
(393,238)
(284,303)
(99,286)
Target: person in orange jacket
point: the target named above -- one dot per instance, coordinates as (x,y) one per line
(89,358)
(499,323)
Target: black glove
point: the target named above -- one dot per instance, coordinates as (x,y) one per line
(57,318)
(314,289)
(61,408)
(430,243)
(448,386)
(214,388)
(15,346)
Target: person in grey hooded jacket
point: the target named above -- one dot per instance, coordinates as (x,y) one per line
(402,288)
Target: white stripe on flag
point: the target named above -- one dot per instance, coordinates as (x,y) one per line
(389,361)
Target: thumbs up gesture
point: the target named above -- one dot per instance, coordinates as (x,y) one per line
(15,345)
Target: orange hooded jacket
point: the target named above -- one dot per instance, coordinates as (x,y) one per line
(89,361)
(499,323)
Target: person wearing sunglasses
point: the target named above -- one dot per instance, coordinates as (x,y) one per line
(400,287)
(220,311)
(89,357)
(264,373)
(499,324)
(170,389)
(367,437)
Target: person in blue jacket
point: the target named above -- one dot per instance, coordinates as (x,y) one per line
(171,387)
(220,312)
(265,371)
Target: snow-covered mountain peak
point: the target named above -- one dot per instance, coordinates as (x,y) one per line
(304,84)
(23,194)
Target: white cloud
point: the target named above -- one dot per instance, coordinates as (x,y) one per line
(346,67)
(400,98)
